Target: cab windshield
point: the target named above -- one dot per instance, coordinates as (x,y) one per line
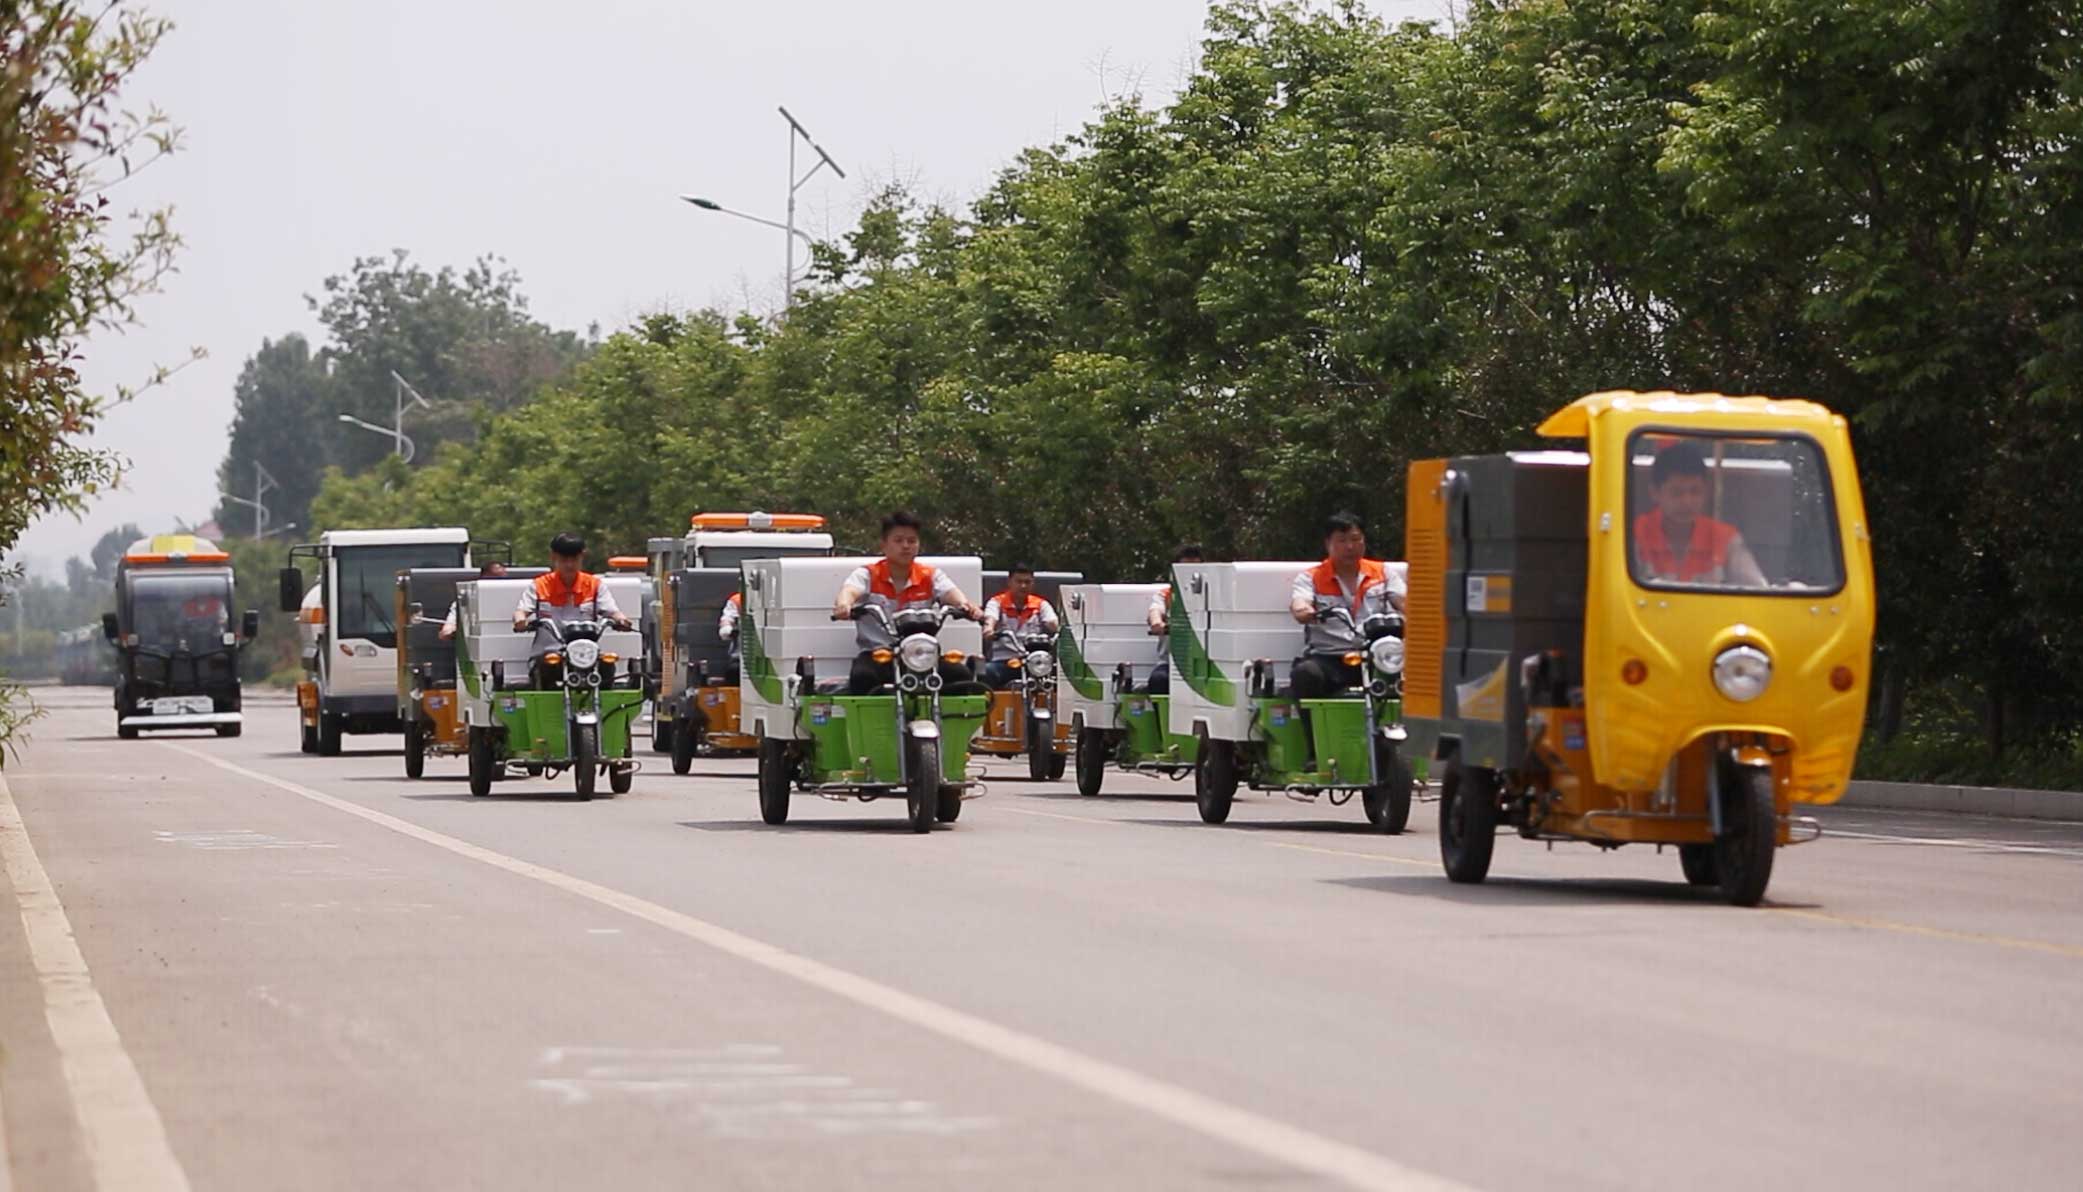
(367,598)
(184,613)
(731,556)
(1731,513)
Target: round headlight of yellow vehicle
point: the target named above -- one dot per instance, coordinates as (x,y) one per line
(1742,673)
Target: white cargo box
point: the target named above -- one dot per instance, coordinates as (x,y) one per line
(788,617)
(1105,627)
(1235,614)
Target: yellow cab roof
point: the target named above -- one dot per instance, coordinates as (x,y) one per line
(1573,421)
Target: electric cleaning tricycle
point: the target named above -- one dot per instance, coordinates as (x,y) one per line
(1233,647)
(1663,638)
(1106,656)
(910,738)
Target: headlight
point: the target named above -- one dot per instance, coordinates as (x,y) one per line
(1387,655)
(1742,673)
(583,653)
(919,652)
(1040,665)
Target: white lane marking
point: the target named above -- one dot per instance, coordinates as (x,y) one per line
(1238,1127)
(1967,842)
(235,840)
(125,1139)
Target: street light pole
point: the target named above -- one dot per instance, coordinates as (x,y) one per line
(400,445)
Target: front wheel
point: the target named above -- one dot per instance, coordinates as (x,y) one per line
(328,735)
(1749,834)
(774,778)
(687,735)
(481,761)
(661,733)
(1092,760)
(307,737)
(1041,748)
(1214,777)
(1467,822)
(585,758)
(922,790)
(126,733)
(415,749)
(228,730)
(1387,803)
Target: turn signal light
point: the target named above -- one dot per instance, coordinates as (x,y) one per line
(553,659)
(1841,678)
(1355,658)
(1633,671)
(881,656)
(1014,663)
(954,656)
(610,657)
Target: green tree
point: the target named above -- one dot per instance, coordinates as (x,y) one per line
(284,422)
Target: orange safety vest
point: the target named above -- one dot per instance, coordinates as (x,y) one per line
(1702,558)
(918,592)
(1029,608)
(1372,572)
(552,590)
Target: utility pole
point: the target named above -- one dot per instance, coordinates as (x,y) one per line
(796,129)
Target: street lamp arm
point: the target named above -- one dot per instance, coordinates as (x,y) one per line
(708,205)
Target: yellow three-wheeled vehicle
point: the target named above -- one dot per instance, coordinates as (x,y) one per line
(1661,639)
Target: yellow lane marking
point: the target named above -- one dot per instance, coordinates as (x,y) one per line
(1937,933)
(1264,1136)
(124,1137)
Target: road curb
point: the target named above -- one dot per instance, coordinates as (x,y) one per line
(1965,800)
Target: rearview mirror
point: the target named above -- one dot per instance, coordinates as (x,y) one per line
(249,625)
(290,584)
(109,629)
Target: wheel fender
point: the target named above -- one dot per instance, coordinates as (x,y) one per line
(1042,714)
(922,730)
(1394,732)
(586,719)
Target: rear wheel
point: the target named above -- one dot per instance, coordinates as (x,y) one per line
(922,790)
(585,758)
(308,737)
(415,749)
(1214,777)
(774,778)
(1697,860)
(328,735)
(229,730)
(687,734)
(1467,822)
(621,778)
(1041,748)
(950,808)
(661,733)
(1058,762)
(1388,802)
(127,734)
(1749,834)
(481,761)
(1092,760)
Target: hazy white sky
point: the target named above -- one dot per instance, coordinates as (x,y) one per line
(556,135)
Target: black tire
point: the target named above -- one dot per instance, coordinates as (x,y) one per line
(1697,860)
(661,733)
(127,734)
(328,735)
(1749,834)
(1092,760)
(1041,747)
(922,791)
(1388,803)
(1058,762)
(775,779)
(1467,822)
(687,737)
(307,735)
(229,730)
(621,778)
(585,759)
(415,749)
(1214,777)
(481,761)
(950,806)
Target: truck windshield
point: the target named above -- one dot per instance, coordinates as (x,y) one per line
(1722,512)
(367,599)
(731,556)
(181,613)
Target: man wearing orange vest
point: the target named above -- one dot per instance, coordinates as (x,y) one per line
(1159,618)
(567,593)
(1677,542)
(897,582)
(1346,579)
(1009,616)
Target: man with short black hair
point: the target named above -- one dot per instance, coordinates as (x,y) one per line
(894,583)
(1677,542)
(1349,580)
(1010,616)
(1159,619)
(567,593)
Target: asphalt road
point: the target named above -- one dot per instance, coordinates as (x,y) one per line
(227,965)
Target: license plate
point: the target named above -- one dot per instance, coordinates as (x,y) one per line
(181,705)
